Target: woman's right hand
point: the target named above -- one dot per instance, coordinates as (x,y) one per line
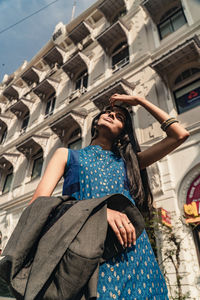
(122,227)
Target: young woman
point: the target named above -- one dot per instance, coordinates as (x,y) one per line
(113,163)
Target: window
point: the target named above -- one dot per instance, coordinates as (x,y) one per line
(75,141)
(120,56)
(37,165)
(8,181)
(76,145)
(50,105)
(3,136)
(171,21)
(187,97)
(186,74)
(25,121)
(82,80)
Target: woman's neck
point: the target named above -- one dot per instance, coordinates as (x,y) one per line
(103,142)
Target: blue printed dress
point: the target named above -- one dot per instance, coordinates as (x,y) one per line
(91,173)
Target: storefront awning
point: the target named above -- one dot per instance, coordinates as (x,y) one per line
(182,54)
(110,7)
(32,75)
(55,55)
(80,32)
(33,144)
(155,8)
(46,88)
(20,107)
(76,64)
(112,34)
(120,87)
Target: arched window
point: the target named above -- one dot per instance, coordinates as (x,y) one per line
(82,81)
(75,141)
(120,56)
(188,95)
(171,21)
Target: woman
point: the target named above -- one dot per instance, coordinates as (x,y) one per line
(113,163)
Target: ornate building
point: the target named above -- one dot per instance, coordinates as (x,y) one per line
(149,46)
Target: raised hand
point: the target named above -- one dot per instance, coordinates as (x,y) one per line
(131,100)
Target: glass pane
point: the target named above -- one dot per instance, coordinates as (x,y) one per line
(178,20)
(25,122)
(165,29)
(85,81)
(3,137)
(78,84)
(47,107)
(75,145)
(37,167)
(188,97)
(7,184)
(121,58)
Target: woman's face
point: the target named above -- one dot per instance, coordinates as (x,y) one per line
(113,119)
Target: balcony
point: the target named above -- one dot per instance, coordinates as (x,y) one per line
(80,32)
(64,127)
(109,8)
(32,75)
(47,87)
(55,55)
(122,86)
(75,64)
(111,36)
(21,107)
(33,144)
(12,92)
(182,54)
(8,160)
(155,8)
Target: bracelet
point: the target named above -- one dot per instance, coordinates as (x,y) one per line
(167,123)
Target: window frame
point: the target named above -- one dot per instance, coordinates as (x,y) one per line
(35,158)
(52,100)
(180,9)
(81,77)
(124,47)
(184,87)
(9,173)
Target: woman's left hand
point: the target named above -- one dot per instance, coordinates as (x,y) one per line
(131,100)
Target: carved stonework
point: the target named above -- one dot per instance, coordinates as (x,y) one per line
(155,179)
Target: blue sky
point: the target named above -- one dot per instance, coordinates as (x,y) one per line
(24,40)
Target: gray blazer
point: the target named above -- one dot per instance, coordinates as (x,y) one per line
(59,259)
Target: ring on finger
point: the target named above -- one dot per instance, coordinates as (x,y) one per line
(121,226)
(129,222)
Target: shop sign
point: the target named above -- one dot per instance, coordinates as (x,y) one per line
(165,217)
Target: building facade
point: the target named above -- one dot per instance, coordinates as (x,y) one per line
(150,47)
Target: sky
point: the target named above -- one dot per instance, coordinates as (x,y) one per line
(23,41)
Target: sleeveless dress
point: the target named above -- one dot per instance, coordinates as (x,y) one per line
(91,173)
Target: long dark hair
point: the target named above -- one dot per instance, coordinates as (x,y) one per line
(126,145)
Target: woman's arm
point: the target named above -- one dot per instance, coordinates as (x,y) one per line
(53,173)
(176,134)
